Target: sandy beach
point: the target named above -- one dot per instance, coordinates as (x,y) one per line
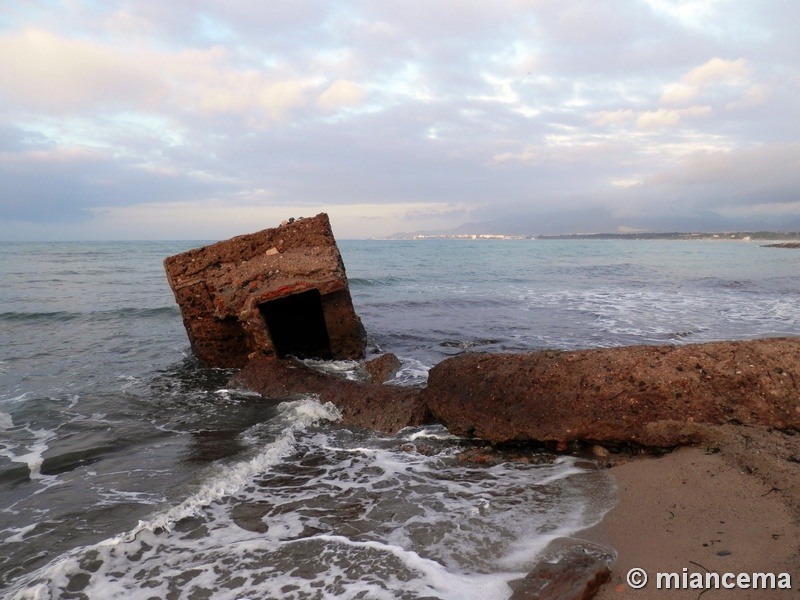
(731,506)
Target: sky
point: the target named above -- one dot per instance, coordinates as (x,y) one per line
(172,119)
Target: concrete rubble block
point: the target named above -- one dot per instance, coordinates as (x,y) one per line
(277,292)
(382,368)
(647,396)
(570,570)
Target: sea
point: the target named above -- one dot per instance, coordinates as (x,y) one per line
(128,470)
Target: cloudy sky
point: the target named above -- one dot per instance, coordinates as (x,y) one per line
(170,119)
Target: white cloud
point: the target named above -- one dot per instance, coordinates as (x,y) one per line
(690,13)
(625,183)
(340,94)
(615,117)
(712,73)
(126,22)
(43,71)
(667,118)
(40,70)
(678,93)
(209,83)
(755,95)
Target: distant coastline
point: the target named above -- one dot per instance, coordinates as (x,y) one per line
(795,245)
(742,236)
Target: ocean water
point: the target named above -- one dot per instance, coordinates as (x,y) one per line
(129,471)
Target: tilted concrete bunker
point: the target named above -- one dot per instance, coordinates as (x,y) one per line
(277,292)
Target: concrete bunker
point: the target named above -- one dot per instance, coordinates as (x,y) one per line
(277,292)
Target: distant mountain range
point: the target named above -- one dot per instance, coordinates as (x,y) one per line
(599,224)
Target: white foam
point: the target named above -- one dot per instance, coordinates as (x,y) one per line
(128,381)
(18,533)
(432,433)
(309,411)
(300,414)
(115,497)
(227,394)
(33,454)
(349,369)
(412,372)
(21,398)
(6,421)
(568,471)
(433,577)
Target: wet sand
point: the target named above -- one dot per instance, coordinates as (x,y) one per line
(732,506)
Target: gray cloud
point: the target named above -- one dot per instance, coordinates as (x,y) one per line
(56,187)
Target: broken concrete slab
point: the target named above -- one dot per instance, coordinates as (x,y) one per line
(646,396)
(387,408)
(277,292)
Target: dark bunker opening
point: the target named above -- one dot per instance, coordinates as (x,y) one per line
(296,325)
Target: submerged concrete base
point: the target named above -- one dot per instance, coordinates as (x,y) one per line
(386,408)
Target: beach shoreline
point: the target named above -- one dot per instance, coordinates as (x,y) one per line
(729,506)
